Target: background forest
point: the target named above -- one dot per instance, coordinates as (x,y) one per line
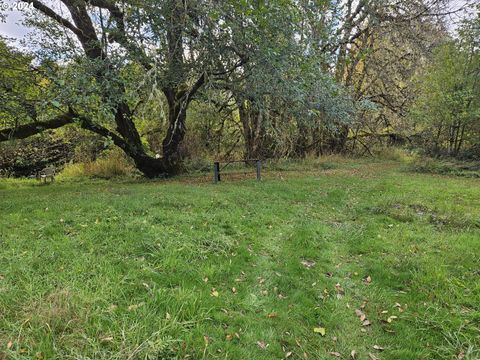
(107,88)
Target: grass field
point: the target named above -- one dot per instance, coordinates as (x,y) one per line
(361,257)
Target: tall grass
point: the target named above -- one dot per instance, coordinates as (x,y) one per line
(113,164)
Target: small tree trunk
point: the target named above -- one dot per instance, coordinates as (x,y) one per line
(451,140)
(301,145)
(247,130)
(460,141)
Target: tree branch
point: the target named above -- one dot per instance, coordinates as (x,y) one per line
(27,130)
(53,15)
(24,131)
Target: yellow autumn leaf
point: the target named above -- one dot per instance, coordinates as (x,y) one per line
(319,330)
(391,318)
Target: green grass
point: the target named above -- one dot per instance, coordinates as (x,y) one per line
(111,270)
(445,167)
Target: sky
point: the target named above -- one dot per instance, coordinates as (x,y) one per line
(14,29)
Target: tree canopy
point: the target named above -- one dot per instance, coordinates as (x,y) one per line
(293,76)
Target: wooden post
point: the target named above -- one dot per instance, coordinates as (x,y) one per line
(216,172)
(259,166)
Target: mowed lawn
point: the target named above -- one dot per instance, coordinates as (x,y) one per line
(364,257)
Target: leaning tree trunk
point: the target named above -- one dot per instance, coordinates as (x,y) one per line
(171,162)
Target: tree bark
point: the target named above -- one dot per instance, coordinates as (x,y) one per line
(253,129)
(27,130)
(177,115)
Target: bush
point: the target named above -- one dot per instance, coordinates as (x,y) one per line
(391,153)
(113,163)
(198,165)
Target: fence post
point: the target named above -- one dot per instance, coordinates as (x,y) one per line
(259,166)
(216,172)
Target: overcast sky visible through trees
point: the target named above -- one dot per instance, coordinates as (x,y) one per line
(14,29)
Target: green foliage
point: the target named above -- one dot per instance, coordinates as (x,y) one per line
(448,106)
(259,78)
(18,87)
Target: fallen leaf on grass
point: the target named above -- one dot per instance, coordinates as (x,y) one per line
(391,318)
(234,290)
(353,355)
(242,277)
(272,315)
(214,292)
(378,347)
(361,315)
(262,345)
(106,338)
(308,263)
(336,354)
(9,345)
(372,357)
(366,323)
(135,306)
(340,291)
(288,354)
(461,356)
(367,280)
(320,330)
